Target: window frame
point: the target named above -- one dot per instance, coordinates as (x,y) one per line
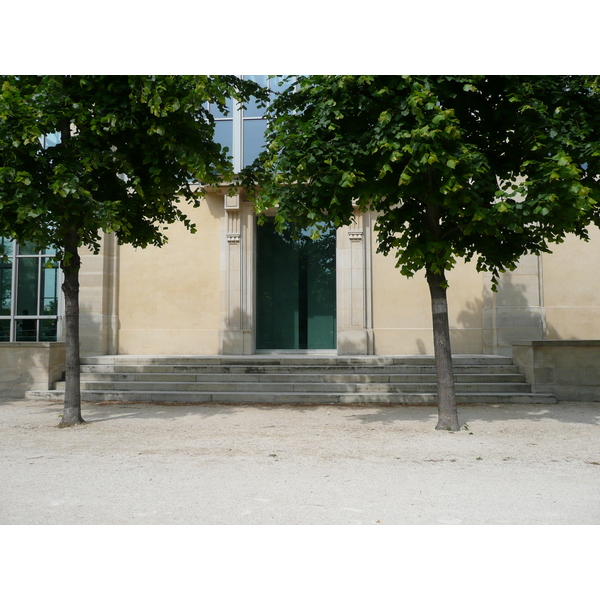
(13,318)
(237,117)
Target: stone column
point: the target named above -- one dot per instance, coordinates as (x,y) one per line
(354,299)
(235,335)
(98,298)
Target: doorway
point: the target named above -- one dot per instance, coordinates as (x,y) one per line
(295,290)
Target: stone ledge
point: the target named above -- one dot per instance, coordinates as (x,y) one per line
(31,345)
(29,365)
(569,369)
(558,343)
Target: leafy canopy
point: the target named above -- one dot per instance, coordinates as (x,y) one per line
(485,168)
(131,147)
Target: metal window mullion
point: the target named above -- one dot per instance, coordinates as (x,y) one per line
(39,285)
(13,295)
(60,303)
(39,297)
(238,137)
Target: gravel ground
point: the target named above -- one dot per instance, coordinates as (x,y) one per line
(150,464)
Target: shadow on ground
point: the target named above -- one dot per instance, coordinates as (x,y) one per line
(567,412)
(581,412)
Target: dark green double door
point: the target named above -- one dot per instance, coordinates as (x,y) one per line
(295,291)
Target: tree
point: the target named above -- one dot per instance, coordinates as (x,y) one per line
(483,168)
(131,149)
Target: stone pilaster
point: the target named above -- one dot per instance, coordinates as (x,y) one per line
(354,310)
(236,278)
(98,298)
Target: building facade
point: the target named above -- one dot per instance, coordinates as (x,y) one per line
(236,287)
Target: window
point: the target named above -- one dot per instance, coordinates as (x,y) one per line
(243,130)
(29,284)
(50,140)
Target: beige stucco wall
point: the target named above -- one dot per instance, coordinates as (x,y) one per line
(402,309)
(172,300)
(571,277)
(169,297)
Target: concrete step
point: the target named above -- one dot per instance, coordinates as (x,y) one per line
(301,377)
(297,369)
(289,398)
(269,387)
(283,359)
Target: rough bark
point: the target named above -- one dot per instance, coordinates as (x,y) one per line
(70,287)
(447,411)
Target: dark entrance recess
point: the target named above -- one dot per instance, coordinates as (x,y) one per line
(295,300)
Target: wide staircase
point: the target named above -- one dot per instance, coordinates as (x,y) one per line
(294,379)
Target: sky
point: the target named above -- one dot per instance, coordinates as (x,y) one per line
(317,37)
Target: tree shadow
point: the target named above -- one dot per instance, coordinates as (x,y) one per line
(587,413)
(96,412)
(514,313)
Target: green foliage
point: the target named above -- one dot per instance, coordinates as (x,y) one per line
(132,147)
(484,168)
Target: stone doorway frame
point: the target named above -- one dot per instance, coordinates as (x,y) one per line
(237,328)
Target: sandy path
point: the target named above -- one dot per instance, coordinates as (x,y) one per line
(143,464)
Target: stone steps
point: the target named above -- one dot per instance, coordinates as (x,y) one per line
(289,398)
(311,360)
(307,369)
(257,388)
(293,379)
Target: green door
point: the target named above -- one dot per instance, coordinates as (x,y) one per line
(295,291)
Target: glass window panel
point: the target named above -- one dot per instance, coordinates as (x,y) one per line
(321,291)
(224,134)
(47,330)
(27,286)
(279,83)
(218,113)
(252,108)
(277,289)
(254,139)
(48,287)
(5,287)
(49,251)
(27,249)
(6,246)
(26,330)
(51,139)
(5,330)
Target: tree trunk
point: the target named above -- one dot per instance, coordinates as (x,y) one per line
(70,287)
(447,412)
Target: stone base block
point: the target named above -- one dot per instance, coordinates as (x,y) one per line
(235,341)
(355,342)
(29,366)
(569,369)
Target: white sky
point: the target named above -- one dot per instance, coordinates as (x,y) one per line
(381,36)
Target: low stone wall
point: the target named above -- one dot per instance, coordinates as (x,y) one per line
(29,366)
(569,369)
